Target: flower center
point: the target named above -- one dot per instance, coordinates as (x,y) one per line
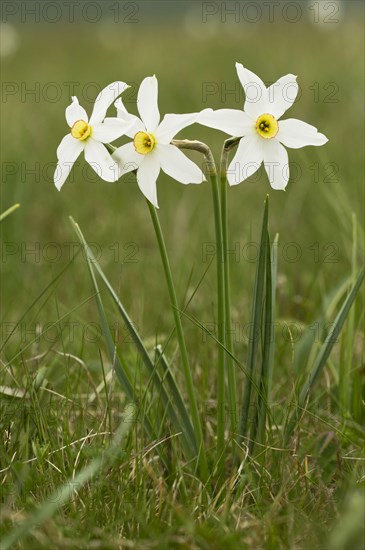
(267,126)
(81,130)
(144,143)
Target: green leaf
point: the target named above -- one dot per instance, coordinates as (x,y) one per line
(256,319)
(151,367)
(269,340)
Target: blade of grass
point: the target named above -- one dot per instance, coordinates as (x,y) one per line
(8,212)
(63,495)
(268,344)
(255,325)
(347,344)
(324,354)
(274,276)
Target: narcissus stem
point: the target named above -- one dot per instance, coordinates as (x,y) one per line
(230,367)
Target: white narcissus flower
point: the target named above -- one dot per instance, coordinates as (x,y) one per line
(151,149)
(90,135)
(263,134)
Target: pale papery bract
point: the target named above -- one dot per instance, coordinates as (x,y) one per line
(90,136)
(151,149)
(263,135)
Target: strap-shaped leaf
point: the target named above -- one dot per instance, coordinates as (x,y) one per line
(256,318)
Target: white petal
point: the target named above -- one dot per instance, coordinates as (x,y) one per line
(282,94)
(172,124)
(233,122)
(247,160)
(121,107)
(67,146)
(62,172)
(178,166)
(110,129)
(75,112)
(136,123)
(97,155)
(295,133)
(147,176)
(67,153)
(276,164)
(255,90)
(103,101)
(147,103)
(127,158)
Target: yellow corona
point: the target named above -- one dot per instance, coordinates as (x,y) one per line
(81,130)
(144,143)
(267,126)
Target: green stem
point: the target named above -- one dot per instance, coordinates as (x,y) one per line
(231,373)
(221,319)
(181,340)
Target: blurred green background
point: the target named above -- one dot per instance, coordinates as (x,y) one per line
(78,48)
(192,48)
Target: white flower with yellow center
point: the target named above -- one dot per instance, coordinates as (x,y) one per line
(90,135)
(263,133)
(151,149)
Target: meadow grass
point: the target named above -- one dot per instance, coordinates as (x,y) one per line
(79,468)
